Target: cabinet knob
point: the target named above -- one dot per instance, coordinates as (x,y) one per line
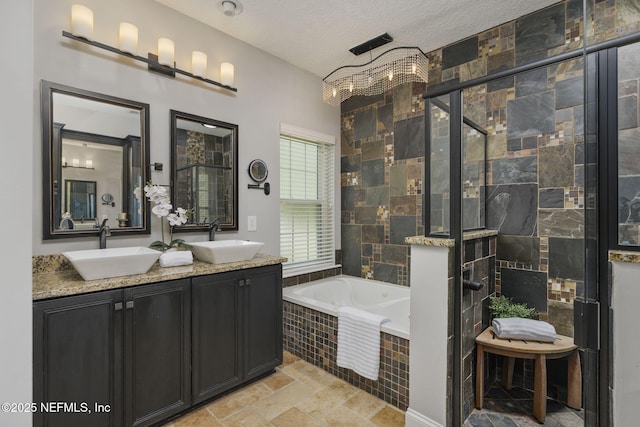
(241,283)
(118,306)
(129,304)
(248,282)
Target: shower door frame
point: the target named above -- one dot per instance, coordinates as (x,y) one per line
(595,310)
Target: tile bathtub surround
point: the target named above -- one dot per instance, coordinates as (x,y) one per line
(297,394)
(313,336)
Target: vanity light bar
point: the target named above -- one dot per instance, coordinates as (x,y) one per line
(152,62)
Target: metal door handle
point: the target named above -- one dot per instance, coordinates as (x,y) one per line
(118,306)
(129,304)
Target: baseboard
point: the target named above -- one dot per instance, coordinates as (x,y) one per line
(416,419)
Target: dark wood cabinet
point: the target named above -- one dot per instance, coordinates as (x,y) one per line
(148,352)
(262,320)
(236,328)
(215,327)
(157,330)
(77,360)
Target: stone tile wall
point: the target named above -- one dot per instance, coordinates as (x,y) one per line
(313,336)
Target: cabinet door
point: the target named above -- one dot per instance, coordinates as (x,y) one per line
(77,360)
(215,335)
(157,351)
(263,320)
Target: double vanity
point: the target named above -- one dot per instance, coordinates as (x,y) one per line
(136,350)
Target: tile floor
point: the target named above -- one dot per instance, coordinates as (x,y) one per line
(513,408)
(298,394)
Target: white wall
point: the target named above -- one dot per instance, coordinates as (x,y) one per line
(428,336)
(626,343)
(16,121)
(270,91)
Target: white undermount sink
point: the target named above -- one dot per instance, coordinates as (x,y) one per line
(221,251)
(95,264)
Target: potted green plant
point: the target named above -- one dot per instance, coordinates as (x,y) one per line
(504,307)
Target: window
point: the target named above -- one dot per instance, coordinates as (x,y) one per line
(307,235)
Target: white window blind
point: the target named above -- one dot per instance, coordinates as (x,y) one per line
(307,235)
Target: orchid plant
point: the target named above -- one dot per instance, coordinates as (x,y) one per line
(162,206)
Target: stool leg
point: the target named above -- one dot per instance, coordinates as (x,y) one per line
(540,388)
(507,372)
(479,376)
(574,388)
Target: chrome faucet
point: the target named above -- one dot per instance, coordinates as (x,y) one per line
(103,232)
(213,227)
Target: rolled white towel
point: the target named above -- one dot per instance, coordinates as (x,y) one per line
(175,259)
(523,329)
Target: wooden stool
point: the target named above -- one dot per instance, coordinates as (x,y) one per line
(538,351)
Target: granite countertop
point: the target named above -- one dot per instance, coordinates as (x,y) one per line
(68,282)
(624,256)
(446,242)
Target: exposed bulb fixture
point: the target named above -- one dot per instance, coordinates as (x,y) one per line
(128,38)
(81,21)
(230,7)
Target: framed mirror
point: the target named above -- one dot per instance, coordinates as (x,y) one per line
(204,170)
(93,145)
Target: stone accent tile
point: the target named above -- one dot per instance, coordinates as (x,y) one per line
(372,150)
(531,115)
(517,170)
(377,196)
(551,198)
(566,258)
(562,290)
(511,209)
(398,180)
(525,287)
(373,234)
(364,124)
(373,173)
(539,31)
(561,223)
(345,417)
(556,166)
(521,249)
(403,205)
(561,317)
(459,53)
(409,138)
(395,254)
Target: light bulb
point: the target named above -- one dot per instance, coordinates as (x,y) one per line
(128,38)
(226,73)
(88,164)
(414,68)
(335,92)
(165,51)
(198,63)
(81,21)
(350,87)
(390,75)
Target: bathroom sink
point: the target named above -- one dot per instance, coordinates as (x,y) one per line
(222,251)
(95,264)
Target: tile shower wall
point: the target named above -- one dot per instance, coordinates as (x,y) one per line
(382,166)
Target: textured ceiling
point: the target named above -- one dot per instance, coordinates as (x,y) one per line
(316,35)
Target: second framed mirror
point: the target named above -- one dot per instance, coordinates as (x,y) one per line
(204,170)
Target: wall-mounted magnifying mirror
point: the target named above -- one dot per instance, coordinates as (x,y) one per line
(258,172)
(204,170)
(93,142)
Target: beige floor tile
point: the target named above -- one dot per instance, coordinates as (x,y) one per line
(343,417)
(293,418)
(282,400)
(277,380)
(246,418)
(311,375)
(238,400)
(364,404)
(288,358)
(335,394)
(199,418)
(388,417)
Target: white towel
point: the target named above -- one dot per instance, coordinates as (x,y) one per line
(359,341)
(523,329)
(176,258)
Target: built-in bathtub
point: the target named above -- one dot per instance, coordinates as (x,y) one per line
(311,329)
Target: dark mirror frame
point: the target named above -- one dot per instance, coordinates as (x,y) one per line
(175,115)
(51,155)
